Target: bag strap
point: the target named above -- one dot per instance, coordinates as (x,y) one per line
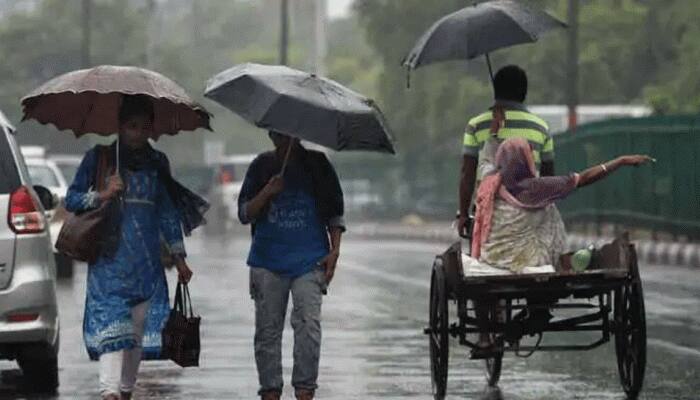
(183,301)
(102,171)
(177,303)
(187,299)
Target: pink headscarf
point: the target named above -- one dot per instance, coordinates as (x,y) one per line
(517,183)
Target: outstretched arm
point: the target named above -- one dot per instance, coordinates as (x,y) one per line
(601,171)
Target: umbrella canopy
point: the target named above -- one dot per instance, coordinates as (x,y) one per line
(88,101)
(478,30)
(302,105)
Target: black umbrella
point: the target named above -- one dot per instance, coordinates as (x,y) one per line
(478,30)
(302,105)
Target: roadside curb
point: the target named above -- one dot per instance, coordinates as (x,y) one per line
(648,251)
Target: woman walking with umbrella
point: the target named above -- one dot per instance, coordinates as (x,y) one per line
(292,198)
(127,297)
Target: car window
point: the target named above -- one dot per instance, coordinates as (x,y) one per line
(9,177)
(42,175)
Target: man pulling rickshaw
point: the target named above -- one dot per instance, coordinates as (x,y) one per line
(514,269)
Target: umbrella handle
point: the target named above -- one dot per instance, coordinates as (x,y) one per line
(488,63)
(286,156)
(117,163)
(120,198)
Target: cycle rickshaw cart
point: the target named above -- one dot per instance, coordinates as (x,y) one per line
(605,299)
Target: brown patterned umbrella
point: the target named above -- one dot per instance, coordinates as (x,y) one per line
(88,101)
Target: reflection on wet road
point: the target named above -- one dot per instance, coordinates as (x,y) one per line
(373,346)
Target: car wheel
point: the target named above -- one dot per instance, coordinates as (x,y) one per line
(39,364)
(64,266)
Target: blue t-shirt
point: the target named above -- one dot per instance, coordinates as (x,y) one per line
(290,239)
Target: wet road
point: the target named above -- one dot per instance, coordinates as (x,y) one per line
(373,346)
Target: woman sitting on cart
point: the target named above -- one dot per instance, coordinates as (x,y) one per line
(517,224)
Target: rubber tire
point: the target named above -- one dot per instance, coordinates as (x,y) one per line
(629,308)
(493,369)
(439,356)
(64,266)
(39,364)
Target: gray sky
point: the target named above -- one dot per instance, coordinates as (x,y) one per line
(338,8)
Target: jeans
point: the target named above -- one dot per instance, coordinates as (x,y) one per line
(271,294)
(118,369)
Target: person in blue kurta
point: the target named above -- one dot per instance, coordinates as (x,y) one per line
(126,304)
(297,222)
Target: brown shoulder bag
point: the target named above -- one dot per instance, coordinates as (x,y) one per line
(83,236)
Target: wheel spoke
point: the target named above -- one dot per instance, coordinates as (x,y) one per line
(434,341)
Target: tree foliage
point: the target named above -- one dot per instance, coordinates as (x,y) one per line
(187,40)
(630,52)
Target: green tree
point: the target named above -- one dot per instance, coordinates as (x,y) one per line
(631,51)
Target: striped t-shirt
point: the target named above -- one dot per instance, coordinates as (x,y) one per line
(519,122)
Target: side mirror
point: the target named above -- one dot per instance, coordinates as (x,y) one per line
(48,200)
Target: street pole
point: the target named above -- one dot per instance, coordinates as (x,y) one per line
(572,61)
(284,32)
(85,50)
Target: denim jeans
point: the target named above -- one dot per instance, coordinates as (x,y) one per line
(271,294)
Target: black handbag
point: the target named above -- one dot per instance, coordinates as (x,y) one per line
(181,333)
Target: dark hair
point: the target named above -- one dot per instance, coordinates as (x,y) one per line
(133,105)
(510,83)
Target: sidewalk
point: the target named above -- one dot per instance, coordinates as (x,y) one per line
(651,252)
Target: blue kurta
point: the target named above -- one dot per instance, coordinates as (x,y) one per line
(134,274)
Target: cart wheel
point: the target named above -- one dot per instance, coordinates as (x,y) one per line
(493,365)
(439,331)
(631,334)
(493,369)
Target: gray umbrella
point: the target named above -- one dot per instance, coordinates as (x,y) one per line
(478,30)
(302,105)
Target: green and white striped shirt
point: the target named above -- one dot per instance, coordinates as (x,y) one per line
(519,122)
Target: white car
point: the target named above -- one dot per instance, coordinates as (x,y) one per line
(68,164)
(29,327)
(46,173)
(229,174)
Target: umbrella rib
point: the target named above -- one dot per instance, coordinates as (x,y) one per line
(328,107)
(91,105)
(336,111)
